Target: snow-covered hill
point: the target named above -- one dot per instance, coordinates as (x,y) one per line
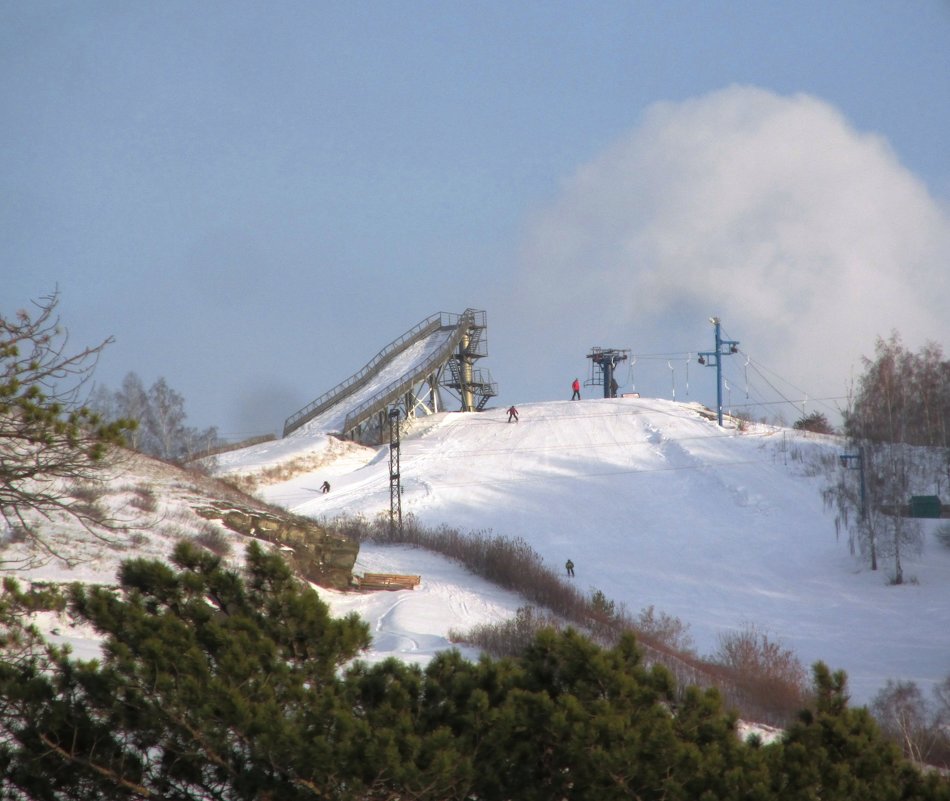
(654,503)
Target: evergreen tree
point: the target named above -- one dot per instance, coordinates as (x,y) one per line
(580,722)
(838,754)
(222,686)
(209,687)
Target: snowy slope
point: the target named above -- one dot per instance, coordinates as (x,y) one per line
(655,504)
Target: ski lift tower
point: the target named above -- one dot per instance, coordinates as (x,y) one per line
(714,359)
(602,364)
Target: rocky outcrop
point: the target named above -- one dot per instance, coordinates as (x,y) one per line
(314,553)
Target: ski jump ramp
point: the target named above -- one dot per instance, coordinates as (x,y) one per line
(411,375)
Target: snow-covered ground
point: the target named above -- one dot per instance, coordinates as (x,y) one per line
(655,504)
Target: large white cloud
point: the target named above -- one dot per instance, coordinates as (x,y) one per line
(807,237)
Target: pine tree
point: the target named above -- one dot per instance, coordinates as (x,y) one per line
(838,754)
(218,684)
(210,686)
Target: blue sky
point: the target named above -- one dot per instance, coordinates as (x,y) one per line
(254,198)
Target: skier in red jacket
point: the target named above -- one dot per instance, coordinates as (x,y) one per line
(576,386)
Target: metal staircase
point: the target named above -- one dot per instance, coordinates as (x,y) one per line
(474,387)
(451,343)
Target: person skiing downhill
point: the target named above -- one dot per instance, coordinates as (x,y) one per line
(576,386)
(512,414)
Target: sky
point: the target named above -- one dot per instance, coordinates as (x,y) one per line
(255,198)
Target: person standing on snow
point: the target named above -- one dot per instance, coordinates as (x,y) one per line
(569,566)
(512,414)
(576,386)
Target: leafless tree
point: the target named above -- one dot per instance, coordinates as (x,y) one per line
(902,396)
(891,480)
(903,713)
(167,419)
(897,429)
(131,402)
(160,414)
(763,670)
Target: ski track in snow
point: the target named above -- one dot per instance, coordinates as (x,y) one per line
(656,505)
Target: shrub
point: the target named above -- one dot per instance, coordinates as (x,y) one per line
(144,499)
(665,629)
(87,500)
(556,602)
(743,421)
(214,539)
(766,674)
(943,534)
(87,491)
(138,538)
(14,534)
(508,638)
(815,422)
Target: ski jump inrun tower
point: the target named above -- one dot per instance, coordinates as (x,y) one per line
(409,376)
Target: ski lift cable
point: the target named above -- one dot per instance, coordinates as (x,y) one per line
(663,356)
(747,381)
(778,392)
(798,390)
(750,360)
(755,369)
(755,395)
(805,395)
(630,381)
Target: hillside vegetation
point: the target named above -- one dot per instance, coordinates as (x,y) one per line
(214,685)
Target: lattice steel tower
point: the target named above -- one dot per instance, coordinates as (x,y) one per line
(395,487)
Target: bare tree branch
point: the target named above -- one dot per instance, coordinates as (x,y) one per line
(49,441)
